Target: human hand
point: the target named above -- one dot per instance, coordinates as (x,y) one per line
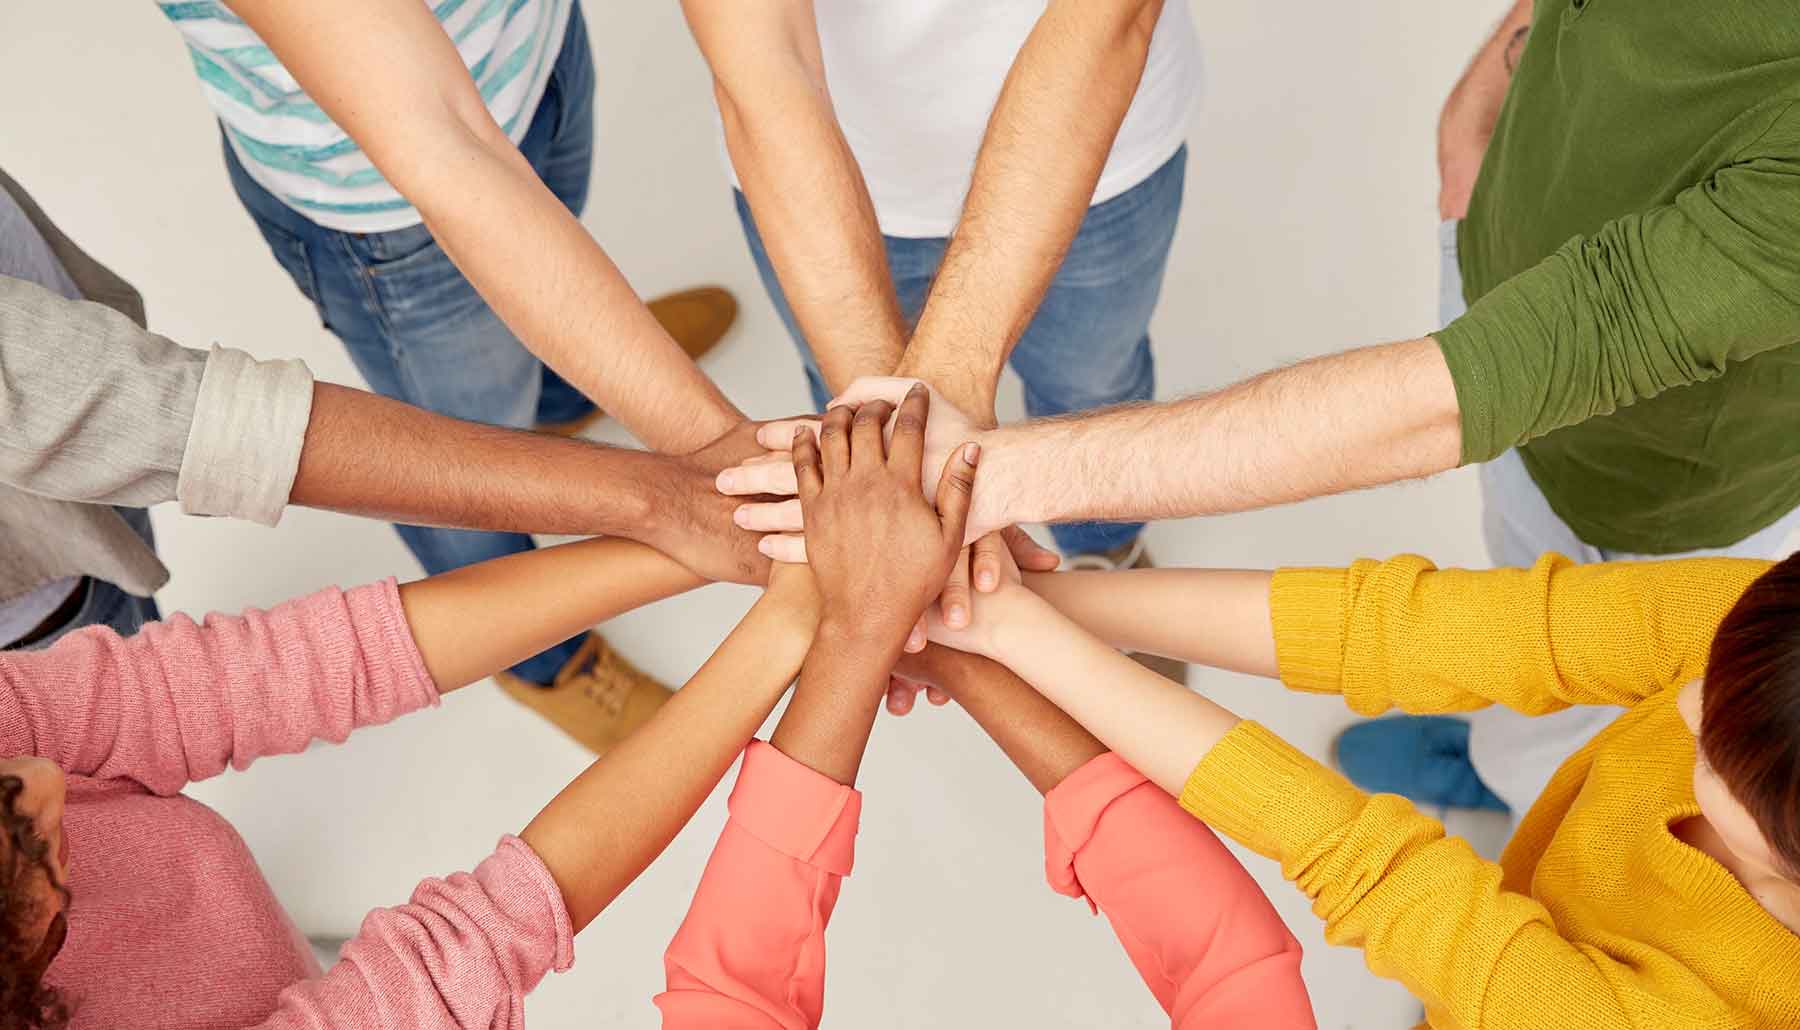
(691,522)
(879,550)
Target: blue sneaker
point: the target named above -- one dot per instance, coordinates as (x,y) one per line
(1422,757)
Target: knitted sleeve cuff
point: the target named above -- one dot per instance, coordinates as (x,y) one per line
(1308,609)
(1267,795)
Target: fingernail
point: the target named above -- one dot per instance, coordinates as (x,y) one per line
(987,581)
(766,547)
(799,433)
(957,615)
(741,516)
(971,453)
(916,388)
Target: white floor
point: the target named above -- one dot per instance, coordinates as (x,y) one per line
(1309,227)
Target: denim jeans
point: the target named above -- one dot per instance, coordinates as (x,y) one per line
(1088,344)
(103,604)
(417,329)
(1515,754)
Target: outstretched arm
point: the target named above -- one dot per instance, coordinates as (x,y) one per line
(180,701)
(1201,933)
(751,951)
(1046,144)
(387,73)
(467,949)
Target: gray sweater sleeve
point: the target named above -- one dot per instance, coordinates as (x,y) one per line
(100,410)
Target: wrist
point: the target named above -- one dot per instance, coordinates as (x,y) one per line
(871,639)
(1016,619)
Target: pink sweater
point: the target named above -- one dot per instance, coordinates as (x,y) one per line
(172,924)
(751,952)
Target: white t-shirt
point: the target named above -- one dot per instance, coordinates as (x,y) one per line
(914,82)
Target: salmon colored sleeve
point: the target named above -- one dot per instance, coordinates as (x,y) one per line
(751,952)
(1401,633)
(1201,933)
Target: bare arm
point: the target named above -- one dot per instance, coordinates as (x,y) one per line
(369,455)
(1474,107)
(386,72)
(1216,617)
(1046,145)
(803,184)
(610,823)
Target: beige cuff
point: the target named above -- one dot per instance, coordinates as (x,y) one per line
(244,448)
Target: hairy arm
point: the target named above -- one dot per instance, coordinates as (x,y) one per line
(385,71)
(368,455)
(802,181)
(1046,145)
(1473,108)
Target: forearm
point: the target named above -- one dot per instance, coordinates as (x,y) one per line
(1159,727)
(826,726)
(805,190)
(387,73)
(372,456)
(1357,419)
(1045,147)
(609,824)
(1473,108)
(479,619)
(1040,738)
(1216,617)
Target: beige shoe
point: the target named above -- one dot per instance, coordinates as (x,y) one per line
(598,697)
(1131,556)
(698,319)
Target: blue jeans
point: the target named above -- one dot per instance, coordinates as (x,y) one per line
(103,604)
(1089,343)
(417,329)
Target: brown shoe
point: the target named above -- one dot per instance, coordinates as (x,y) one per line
(598,697)
(698,319)
(1131,556)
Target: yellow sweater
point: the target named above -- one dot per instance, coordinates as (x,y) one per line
(1596,916)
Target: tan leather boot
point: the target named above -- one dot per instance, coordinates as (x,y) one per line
(598,697)
(698,319)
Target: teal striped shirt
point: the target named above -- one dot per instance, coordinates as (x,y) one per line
(296,152)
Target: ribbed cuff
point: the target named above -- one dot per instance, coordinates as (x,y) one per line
(1307,608)
(515,864)
(1072,813)
(243,450)
(793,809)
(1267,795)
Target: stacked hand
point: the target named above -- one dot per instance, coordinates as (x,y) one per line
(996,547)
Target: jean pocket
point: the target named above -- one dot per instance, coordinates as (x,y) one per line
(415,284)
(290,253)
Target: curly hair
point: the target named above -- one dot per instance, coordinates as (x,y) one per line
(26,1003)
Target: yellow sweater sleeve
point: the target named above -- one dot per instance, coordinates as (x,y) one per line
(1403,633)
(1425,908)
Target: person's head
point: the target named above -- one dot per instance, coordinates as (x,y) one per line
(1746,714)
(33,897)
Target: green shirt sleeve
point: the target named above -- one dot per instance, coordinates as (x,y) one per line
(1651,301)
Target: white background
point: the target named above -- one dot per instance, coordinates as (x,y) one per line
(1309,227)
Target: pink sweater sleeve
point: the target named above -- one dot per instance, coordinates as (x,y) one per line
(179,702)
(462,954)
(1203,936)
(751,952)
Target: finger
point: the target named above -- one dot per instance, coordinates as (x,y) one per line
(906,451)
(808,476)
(834,441)
(956,489)
(901,696)
(987,563)
(777,517)
(937,696)
(875,388)
(1028,553)
(787,547)
(866,450)
(916,640)
(768,474)
(955,599)
(777,435)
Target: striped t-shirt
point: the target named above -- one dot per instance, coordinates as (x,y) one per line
(295,151)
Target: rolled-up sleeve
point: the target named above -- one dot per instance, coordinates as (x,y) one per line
(249,425)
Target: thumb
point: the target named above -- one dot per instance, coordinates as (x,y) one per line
(956,490)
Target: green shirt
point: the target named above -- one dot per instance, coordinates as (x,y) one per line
(1632,260)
